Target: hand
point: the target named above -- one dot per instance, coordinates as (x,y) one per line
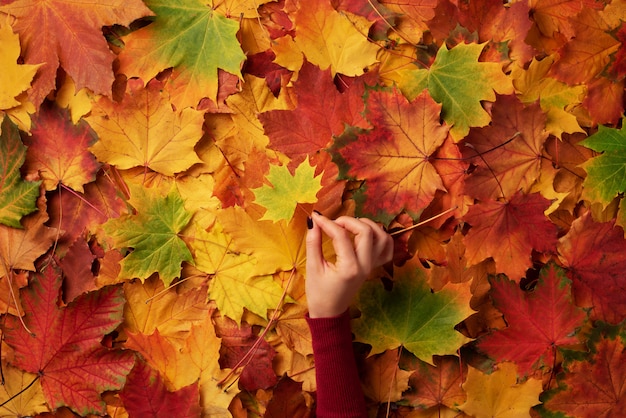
(360,246)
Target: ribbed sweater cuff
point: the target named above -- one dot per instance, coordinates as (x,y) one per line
(339,392)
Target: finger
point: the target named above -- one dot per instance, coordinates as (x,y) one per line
(363,241)
(342,242)
(314,254)
(383,242)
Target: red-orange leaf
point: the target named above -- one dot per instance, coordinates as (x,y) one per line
(69,33)
(595,388)
(68,161)
(145,395)
(394,156)
(64,347)
(322,112)
(508,232)
(539,321)
(595,256)
(507,153)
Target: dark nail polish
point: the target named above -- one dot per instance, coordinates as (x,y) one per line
(309,222)
(318,212)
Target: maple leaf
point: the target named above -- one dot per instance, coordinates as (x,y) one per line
(277,246)
(384,380)
(321,113)
(162,139)
(606,173)
(145,395)
(394,157)
(19,248)
(539,322)
(328,38)
(554,15)
(594,387)
(17,197)
(594,254)
(237,342)
(438,385)
(237,283)
(174,39)
(286,190)
(587,53)
(411,316)
(74,213)
(29,402)
(459,82)
(555,97)
(69,33)
(499,394)
(153,236)
(15,78)
(64,347)
(149,307)
(507,154)
(68,161)
(508,232)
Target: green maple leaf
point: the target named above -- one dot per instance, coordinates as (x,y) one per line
(153,235)
(411,316)
(459,82)
(17,197)
(606,173)
(192,38)
(287,190)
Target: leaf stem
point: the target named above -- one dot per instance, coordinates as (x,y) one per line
(425,221)
(24,389)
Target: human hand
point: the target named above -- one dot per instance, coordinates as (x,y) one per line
(360,246)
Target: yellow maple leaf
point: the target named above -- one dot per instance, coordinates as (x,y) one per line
(144,131)
(287,190)
(235,285)
(150,307)
(555,98)
(78,102)
(498,395)
(14,78)
(328,38)
(17,397)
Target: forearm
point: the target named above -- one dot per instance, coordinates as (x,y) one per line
(339,392)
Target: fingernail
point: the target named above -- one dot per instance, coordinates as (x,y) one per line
(309,222)
(318,212)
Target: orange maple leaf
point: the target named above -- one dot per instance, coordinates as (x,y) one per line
(69,33)
(507,153)
(394,157)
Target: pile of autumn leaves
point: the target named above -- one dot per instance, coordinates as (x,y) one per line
(155,184)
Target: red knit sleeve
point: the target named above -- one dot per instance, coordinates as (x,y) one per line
(339,392)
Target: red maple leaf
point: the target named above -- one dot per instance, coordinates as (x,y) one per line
(68,161)
(595,388)
(438,386)
(595,257)
(65,348)
(508,232)
(322,112)
(145,395)
(539,321)
(236,344)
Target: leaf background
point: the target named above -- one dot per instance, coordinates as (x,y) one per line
(138,139)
